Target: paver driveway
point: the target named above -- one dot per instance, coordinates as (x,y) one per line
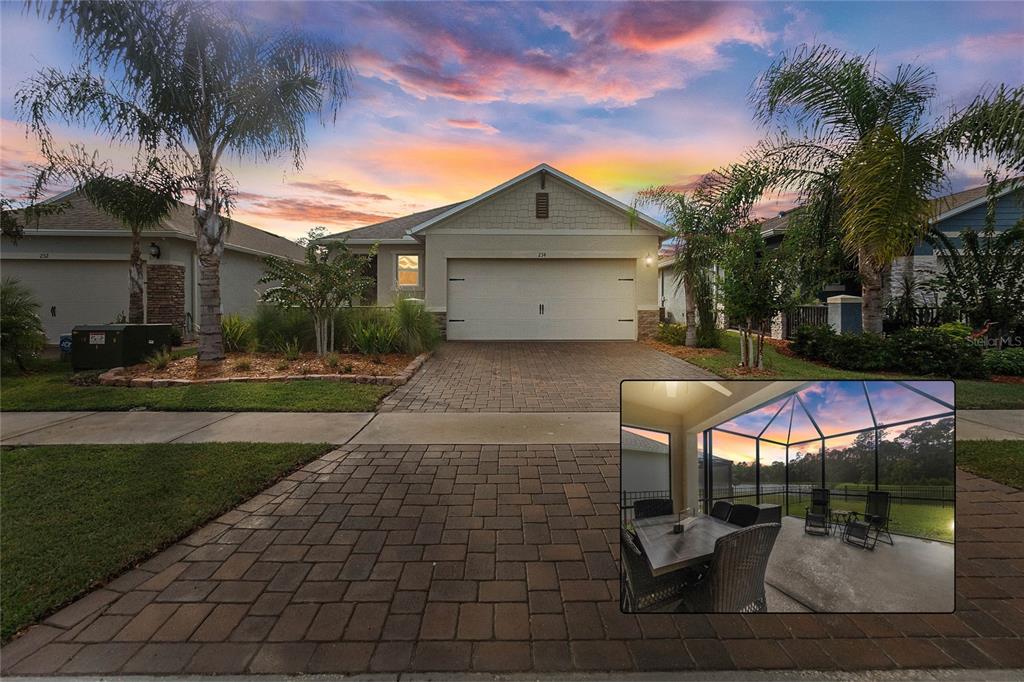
(484,558)
(533,377)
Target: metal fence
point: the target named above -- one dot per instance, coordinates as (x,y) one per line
(813,315)
(628,498)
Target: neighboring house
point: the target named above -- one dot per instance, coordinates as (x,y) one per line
(540,257)
(76,265)
(954,213)
(645,464)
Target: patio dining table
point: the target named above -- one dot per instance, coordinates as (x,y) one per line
(667,551)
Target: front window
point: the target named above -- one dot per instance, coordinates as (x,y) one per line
(409,271)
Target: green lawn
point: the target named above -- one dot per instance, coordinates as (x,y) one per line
(47,389)
(999,460)
(74,516)
(921,519)
(971,394)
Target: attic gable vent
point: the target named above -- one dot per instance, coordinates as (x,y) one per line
(542,204)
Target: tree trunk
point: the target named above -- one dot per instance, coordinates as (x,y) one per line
(136,296)
(210,248)
(690,305)
(743,348)
(871,292)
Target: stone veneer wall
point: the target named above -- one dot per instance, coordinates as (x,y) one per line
(647,324)
(165,294)
(442,323)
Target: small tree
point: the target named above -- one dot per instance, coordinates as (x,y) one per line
(21,330)
(11,217)
(757,283)
(984,277)
(328,279)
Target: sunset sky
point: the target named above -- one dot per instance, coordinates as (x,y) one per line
(450,99)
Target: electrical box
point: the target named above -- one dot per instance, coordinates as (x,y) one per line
(102,346)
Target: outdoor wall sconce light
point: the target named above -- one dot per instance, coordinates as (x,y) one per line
(154,250)
(648,260)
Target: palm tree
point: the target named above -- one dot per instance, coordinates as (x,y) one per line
(862,151)
(189,82)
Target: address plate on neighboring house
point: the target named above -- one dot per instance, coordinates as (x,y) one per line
(97,338)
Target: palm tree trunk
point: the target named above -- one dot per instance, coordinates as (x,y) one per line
(690,304)
(210,249)
(871,292)
(136,296)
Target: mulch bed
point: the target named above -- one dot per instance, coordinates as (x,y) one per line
(1007,379)
(263,365)
(683,352)
(393,368)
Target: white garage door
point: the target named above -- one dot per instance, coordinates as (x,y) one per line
(73,292)
(550,299)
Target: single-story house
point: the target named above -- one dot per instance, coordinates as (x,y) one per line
(539,257)
(953,214)
(76,265)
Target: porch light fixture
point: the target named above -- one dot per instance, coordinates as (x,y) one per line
(648,260)
(154,250)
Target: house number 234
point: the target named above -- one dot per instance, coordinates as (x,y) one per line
(541,254)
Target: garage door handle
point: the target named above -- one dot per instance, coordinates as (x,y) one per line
(456,279)
(53,311)
(541,308)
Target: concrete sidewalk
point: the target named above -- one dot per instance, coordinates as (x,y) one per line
(367,428)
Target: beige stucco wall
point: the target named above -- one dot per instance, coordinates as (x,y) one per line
(506,226)
(387,274)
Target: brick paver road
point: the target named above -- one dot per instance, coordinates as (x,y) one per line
(533,377)
(484,558)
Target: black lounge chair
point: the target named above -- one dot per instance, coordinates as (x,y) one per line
(818,516)
(743,515)
(865,530)
(721,509)
(642,590)
(735,582)
(644,509)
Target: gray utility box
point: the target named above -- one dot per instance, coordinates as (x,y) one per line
(102,346)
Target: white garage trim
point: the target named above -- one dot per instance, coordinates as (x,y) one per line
(541,299)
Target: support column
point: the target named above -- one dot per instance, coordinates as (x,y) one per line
(845,314)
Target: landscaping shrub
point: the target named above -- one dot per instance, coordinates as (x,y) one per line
(957,330)
(160,359)
(273,327)
(236,331)
(813,341)
(375,335)
(920,350)
(926,350)
(708,336)
(864,352)
(290,349)
(1008,361)
(672,333)
(176,337)
(416,329)
(21,331)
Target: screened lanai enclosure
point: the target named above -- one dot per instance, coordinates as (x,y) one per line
(849,437)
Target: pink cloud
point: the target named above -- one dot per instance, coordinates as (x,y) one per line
(304,210)
(471,124)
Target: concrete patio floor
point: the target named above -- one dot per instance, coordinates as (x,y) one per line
(483,559)
(826,575)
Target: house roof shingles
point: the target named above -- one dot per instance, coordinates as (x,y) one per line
(80,214)
(395,228)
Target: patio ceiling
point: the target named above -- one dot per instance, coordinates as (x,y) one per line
(826,409)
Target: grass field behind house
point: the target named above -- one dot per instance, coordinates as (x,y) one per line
(971,394)
(999,460)
(47,389)
(74,516)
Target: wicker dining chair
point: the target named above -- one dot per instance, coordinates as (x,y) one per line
(721,509)
(743,515)
(644,509)
(642,590)
(818,516)
(735,581)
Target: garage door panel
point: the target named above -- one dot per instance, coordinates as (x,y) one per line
(73,292)
(583,299)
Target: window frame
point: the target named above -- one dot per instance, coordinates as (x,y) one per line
(399,270)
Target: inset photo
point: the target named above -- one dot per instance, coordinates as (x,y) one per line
(787,496)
